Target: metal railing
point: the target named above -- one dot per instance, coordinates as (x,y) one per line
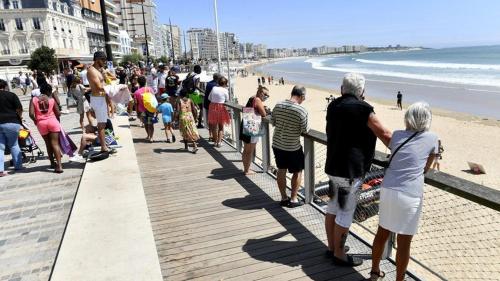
(459,232)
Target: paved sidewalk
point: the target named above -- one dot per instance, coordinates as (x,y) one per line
(34,209)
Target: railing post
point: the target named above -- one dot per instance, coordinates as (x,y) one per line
(309,176)
(237,124)
(388,246)
(266,147)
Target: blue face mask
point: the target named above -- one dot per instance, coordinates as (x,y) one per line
(264,98)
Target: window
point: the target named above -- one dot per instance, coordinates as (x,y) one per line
(4,47)
(2,25)
(23,46)
(54,6)
(19,24)
(36,23)
(15,4)
(6,4)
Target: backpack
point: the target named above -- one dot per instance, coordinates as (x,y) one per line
(43,103)
(188,83)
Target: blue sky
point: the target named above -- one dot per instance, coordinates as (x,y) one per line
(308,23)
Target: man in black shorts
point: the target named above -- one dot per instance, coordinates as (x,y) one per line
(290,121)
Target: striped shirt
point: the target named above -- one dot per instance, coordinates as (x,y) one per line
(290,121)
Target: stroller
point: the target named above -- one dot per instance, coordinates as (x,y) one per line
(28,146)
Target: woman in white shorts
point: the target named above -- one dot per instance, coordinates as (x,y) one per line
(257,102)
(402,189)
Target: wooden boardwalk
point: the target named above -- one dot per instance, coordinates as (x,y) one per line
(211,222)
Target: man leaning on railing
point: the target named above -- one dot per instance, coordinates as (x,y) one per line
(352,129)
(290,120)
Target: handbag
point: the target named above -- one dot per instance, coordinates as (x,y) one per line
(67,145)
(368,196)
(252,122)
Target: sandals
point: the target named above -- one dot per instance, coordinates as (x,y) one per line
(350,262)
(195,150)
(374,276)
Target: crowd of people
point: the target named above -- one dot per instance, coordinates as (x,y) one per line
(352,129)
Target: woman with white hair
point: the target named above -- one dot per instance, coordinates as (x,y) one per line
(413,151)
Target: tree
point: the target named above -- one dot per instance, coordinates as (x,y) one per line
(163,59)
(43,59)
(133,58)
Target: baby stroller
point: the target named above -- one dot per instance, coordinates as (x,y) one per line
(28,146)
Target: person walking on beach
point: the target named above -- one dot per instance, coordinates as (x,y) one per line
(352,129)
(439,156)
(206,101)
(167,113)
(400,100)
(11,112)
(217,113)
(186,110)
(45,113)
(98,100)
(402,190)
(258,81)
(290,120)
(263,79)
(257,103)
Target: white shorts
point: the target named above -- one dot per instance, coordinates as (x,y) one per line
(399,212)
(343,215)
(100,108)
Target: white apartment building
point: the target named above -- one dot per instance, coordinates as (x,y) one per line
(174,33)
(130,18)
(203,42)
(125,43)
(28,24)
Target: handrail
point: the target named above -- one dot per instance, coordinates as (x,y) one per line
(471,191)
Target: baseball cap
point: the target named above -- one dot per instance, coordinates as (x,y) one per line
(100,55)
(164,96)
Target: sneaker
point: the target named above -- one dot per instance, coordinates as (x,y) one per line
(285,202)
(76,158)
(295,204)
(168,140)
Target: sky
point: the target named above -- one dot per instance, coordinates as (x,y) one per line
(309,23)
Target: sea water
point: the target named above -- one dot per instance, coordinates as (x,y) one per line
(465,79)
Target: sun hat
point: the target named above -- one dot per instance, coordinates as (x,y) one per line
(164,96)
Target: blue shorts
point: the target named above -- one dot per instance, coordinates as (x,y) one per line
(166,119)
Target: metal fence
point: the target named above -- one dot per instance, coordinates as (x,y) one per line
(459,232)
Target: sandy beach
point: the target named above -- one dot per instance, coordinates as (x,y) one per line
(464,137)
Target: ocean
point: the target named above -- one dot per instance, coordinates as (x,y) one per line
(465,79)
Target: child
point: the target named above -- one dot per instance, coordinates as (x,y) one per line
(167,112)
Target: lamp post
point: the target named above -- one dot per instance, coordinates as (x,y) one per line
(145,33)
(105,28)
(217,36)
(172,40)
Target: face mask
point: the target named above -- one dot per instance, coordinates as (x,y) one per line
(264,98)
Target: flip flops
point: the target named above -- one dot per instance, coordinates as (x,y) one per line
(350,262)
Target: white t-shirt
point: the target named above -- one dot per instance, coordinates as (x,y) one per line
(406,171)
(83,76)
(161,79)
(22,79)
(219,95)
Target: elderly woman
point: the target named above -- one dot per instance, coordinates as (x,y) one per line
(257,103)
(413,151)
(10,122)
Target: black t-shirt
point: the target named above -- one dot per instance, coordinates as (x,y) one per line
(9,103)
(400,96)
(351,143)
(172,82)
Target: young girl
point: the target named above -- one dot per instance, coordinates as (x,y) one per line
(167,113)
(186,111)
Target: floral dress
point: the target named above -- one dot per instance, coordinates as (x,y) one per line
(187,124)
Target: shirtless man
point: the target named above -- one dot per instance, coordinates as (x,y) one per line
(98,99)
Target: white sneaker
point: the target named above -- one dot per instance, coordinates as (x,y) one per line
(76,158)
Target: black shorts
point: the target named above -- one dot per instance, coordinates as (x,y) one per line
(291,160)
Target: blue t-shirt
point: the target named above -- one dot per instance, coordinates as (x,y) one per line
(166,110)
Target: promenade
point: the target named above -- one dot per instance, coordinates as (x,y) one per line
(162,213)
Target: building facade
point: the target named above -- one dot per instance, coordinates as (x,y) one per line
(203,43)
(26,25)
(142,27)
(175,47)
(125,43)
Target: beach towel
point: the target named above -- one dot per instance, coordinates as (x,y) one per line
(67,145)
(118,93)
